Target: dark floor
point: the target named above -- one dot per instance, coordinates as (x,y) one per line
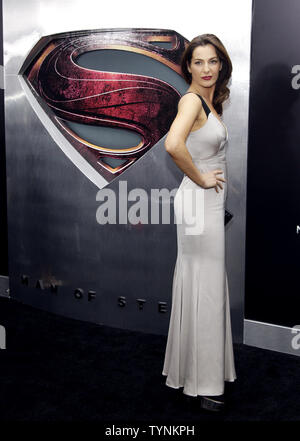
(59,369)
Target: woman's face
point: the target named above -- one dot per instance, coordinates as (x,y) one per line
(205,65)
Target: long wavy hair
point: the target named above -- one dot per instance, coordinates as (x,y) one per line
(221,91)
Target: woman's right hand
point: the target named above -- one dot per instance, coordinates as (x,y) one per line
(211,179)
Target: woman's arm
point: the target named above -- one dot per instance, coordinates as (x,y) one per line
(189,108)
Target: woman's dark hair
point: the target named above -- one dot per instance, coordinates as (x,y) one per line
(221,91)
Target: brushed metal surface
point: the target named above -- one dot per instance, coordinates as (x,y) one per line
(272,337)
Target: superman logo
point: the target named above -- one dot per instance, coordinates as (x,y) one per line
(63,93)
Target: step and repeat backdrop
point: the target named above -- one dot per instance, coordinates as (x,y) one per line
(272,301)
(90,92)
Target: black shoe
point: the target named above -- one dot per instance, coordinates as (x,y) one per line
(214,404)
(190,400)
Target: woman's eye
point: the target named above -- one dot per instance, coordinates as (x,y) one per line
(212,61)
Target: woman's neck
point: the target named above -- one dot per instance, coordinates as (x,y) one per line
(206,92)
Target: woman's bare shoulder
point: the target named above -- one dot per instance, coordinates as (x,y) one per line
(189,107)
(190,99)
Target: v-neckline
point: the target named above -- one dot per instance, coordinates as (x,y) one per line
(213,113)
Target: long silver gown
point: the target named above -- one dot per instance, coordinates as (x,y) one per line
(199,351)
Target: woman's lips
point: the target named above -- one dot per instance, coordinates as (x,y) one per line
(206,78)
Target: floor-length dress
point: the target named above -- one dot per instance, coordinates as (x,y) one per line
(199,352)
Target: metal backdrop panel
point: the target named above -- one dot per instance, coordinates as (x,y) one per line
(60,258)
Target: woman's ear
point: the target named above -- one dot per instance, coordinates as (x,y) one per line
(188,68)
(221,66)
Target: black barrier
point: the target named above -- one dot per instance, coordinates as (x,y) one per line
(273,211)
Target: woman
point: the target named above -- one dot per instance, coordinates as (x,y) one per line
(199,351)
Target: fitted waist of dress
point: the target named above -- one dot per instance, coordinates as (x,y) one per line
(212,160)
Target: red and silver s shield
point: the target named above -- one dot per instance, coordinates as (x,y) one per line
(62,91)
